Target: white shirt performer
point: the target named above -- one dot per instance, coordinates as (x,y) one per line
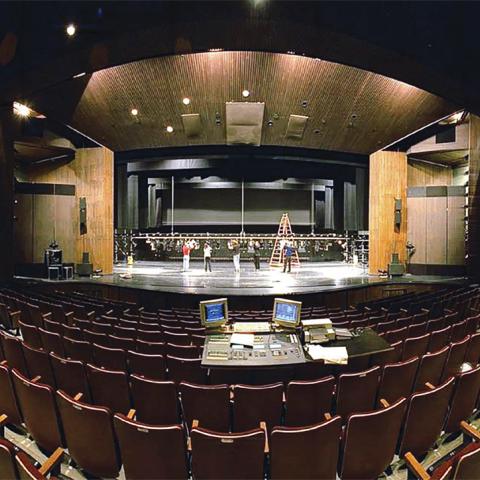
(207,257)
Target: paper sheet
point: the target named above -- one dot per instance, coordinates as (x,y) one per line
(330,355)
(245,339)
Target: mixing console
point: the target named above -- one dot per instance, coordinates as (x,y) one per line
(269,349)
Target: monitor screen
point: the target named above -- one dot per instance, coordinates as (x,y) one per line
(214,312)
(286,312)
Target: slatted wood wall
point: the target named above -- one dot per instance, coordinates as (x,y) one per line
(473,238)
(92,174)
(421,174)
(388,181)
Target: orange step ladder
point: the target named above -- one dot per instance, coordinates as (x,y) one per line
(284,233)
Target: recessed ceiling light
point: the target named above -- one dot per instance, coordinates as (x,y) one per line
(71,29)
(186,101)
(245,94)
(215,49)
(169,129)
(21,110)
(134,111)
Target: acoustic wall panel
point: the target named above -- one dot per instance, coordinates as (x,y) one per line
(436,230)
(417,228)
(456,230)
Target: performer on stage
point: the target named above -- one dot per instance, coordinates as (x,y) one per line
(234,246)
(256,255)
(288,250)
(186,255)
(207,256)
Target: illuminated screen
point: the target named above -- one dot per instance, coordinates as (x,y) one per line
(214,312)
(286,312)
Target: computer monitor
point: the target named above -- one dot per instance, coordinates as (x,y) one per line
(286,313)
(214,313)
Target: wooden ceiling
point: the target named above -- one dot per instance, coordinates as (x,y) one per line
(349,109)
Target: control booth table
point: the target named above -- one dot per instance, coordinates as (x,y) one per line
(281,348)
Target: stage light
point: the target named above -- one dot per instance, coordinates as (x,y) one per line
(78,75)
(245,94)
(215,49)
(21,110)
(169,129)
(134,112)
(186,101)
(71,29)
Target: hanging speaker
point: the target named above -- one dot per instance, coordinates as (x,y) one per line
(83,215)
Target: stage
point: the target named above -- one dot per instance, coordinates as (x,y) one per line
(310,277)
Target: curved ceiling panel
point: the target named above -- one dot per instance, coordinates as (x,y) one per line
(348,109)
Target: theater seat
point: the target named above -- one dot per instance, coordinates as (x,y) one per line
(8,399)
(109,358)
(431,368)
(155,402)
(455,358)
(209,404)
(39,409)
(90,437)
(397,380)
(305,452)
(425,418)
(13,350)
(235,456)
(308,401)
(70,376)
(146,365)
(369,442)
(38,364)
(186,369)
(255,404)
(52,342)
(28,471)
(151,451)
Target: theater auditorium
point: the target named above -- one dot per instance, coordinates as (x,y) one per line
(240,240)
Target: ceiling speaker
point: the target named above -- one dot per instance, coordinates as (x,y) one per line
(244,121)
(296,126)
(192,124)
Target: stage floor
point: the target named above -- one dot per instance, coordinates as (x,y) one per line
(310,277)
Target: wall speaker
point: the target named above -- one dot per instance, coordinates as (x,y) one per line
(83,215)
(398,212)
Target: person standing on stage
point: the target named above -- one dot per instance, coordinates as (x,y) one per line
(207,256)
(256,255)
(186,255)
(235,248)
(287,256)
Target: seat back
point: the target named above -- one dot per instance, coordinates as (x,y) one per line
(182,351)
(38,364)
(431,368)
(30,335)
(109,358)
(370,440)
(425,418)
(415,346)
(455,358)
(186,369)
(177,338)
(439,338)
(308,401)
(109,388)
(90,437)
(52,342)
(70,376)
(389,356)
(209,404)
(8,467)
(459,330)
(151,348)
(8,399)
(468,464)
(155,401)
(146,365)
(464,399)
(150,451)
(397,380)
(255,404)
(37,403)
(13,350)
(305,452)
(78,349)
(96,338)
(236,456)
(357,392)
(473,350)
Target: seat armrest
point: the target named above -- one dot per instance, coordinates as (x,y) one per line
(3,422)
(131,414)
(384,403)
(15,318)
(470,431)
(47,315)
(430,386)
(52,464)
(91,315)
(68,316)
(266,448)
(416,467)
(78,396)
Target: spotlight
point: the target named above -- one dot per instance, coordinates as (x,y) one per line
(21,110)
(245,94)
(186,101)
(71,29)
(169,129)
(134,112)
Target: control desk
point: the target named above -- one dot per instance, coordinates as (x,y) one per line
(267,349)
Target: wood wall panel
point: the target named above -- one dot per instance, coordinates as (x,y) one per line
(417,228)
(436,230)
(473,240)
(422,174)
(388,180)
(92,174)
(455,230)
